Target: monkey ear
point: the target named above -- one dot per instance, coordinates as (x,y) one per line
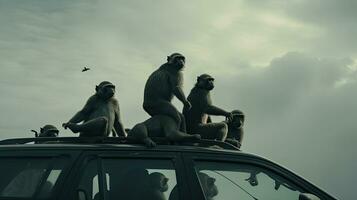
(41,130)
(198,78)
(168,58)
(96,88)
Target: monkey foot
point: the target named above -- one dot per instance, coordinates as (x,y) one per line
(149,143)
(73,127)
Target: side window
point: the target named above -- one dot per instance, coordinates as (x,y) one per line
(26,177)
(135,179)
(88,187)
(222,181)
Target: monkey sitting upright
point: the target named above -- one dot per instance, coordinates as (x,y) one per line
(162,85)
(100,115)
(196,117)
(235,128)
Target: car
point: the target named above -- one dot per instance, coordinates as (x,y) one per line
(113,168)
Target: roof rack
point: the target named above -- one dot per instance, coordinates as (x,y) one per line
(113,140)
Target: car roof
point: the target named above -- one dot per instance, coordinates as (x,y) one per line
(117,143)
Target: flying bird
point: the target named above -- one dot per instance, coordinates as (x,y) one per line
(85,69)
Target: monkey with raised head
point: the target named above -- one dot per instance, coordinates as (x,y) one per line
(202,107)
(162,85)
(100,115)
(235,128)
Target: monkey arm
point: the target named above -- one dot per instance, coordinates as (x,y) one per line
(118,125)
(176,82)
(84,112)
(180,94)
(213,110)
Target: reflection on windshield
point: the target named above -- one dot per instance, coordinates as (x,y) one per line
(245,182)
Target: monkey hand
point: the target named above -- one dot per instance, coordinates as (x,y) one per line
(187,105)
(229,116)
(65,125)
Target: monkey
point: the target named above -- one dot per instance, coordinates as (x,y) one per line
(157,186)
(159,126)
(202,107)
(208,185)
(162,85)
(100,115)
(235,128)
(47,131)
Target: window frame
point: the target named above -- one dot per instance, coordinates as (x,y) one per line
(89,155)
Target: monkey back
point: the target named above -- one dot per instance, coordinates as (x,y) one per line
(158,87)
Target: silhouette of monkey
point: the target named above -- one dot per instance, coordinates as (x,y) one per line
(100,115)
(202,107)
(162,85)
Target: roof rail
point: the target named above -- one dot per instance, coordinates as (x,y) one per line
(113,140)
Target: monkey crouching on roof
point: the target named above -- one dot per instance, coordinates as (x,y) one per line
(100,115)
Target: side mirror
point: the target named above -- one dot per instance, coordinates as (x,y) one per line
(307,196)
(82,194)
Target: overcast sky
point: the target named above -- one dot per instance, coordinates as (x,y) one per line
(289,65)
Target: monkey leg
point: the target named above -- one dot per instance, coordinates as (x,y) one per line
(140,133)
(183,123)
(172,132)
(94,127)
(164,108)
(213,131)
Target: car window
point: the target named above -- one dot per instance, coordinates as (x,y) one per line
(26,177)
(129,179)
(222,181)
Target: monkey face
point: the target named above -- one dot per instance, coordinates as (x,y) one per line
(164,186)
(208,185)
(205,82)
(238,120)
(106,92)
(48,131)
(159,181)
(209,83)
(177,60)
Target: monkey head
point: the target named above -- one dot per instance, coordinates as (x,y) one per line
(208,184)
(159,181)
(48,131)
(205,81)
(105,90)
(176,60)
(238,119)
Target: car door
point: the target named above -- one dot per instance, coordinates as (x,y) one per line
(244,177)
(129,175)
(33,173)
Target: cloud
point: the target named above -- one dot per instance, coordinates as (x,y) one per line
(289,66)
(296,114)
